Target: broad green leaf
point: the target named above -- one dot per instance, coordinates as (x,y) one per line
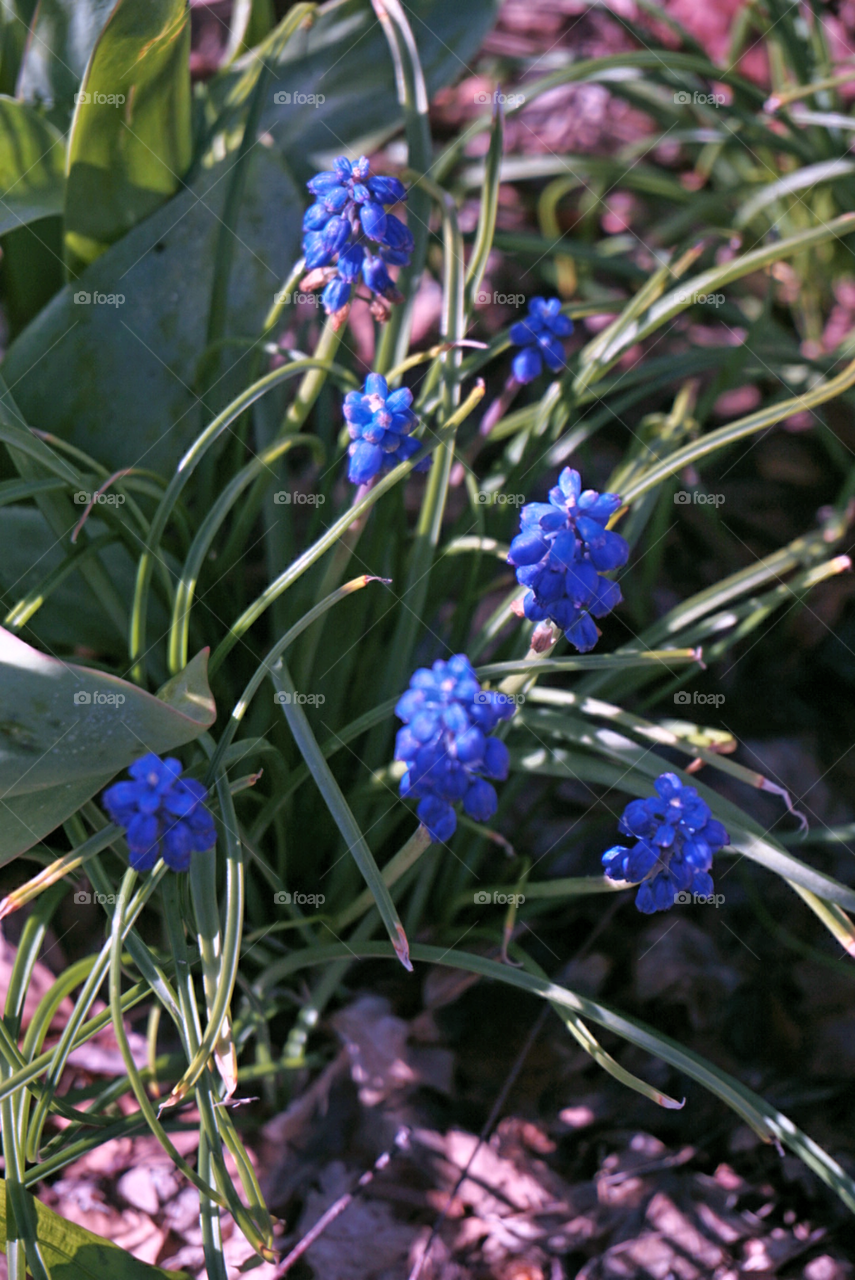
(122,376)
(130,142)
(55,60)
(344,59)
(32,166)
(73,1253)
(27,819)
(16,17)
(31,552)
(66,730)
(251,21)
(62,723)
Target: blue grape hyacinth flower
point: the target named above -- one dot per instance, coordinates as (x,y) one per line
(348,233)
(540,336)
(676,837)
(446,744)
(561,553)
(163,814)
(379,422)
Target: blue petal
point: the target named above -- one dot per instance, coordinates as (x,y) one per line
(365,462)
(552,352)
(143,832)
(614,862)
(335,234)
(387,190)
(668,786)
(527,365)
(336,295)
(376,276)
(399,400)
(527,548)
(608,595)
(376,385)
(350,261)
(439,818)
(611,552)
(583,634)
(715,834)
(641,861)
(480,801)
(144,859)
(703,884)
(496,759)
(316,217)
(373,218)
(323,182)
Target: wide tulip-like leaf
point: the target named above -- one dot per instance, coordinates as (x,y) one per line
(67,730)
(122,374)
(32,166)
(335,82)
(131,141)
(54,62)
(119,380)
(73,1253)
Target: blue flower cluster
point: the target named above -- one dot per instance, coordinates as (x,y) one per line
(560,554)
(445,742)
(379,423)
(676,837)
(348,233)
(540,336)
(162,813)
